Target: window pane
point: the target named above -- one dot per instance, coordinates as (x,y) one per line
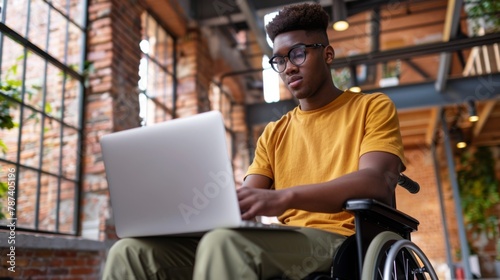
(54,92)
(15,10)
(71,153)
(72,102)
(77,12)
(156,81)
(160,47)
(12,65)
(51,146)
(48,203)
(34,81)
(74,56)
(30,140)
(67,207)
(57,36)
(38,23)
(26,197)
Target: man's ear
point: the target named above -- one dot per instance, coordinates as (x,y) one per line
(330,54)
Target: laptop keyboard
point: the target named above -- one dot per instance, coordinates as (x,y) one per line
(253,224)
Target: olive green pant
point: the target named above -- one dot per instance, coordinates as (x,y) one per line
(224,254)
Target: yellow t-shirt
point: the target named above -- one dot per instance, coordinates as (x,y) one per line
(306,147)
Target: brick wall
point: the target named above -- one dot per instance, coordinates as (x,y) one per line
(195,74)
(37,264)
(44,256)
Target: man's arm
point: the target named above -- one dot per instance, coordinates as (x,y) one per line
(257,181)
(376,178)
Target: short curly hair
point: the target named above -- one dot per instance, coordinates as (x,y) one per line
(305,16)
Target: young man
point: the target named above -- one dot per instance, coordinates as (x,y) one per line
(336,145)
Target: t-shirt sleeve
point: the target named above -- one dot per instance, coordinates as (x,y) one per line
(382,131)
(262,164)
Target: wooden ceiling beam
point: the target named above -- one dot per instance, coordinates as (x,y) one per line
(483,117)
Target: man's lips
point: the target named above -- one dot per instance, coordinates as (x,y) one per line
(294,81)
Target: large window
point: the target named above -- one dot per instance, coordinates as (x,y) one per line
(157,82)
(42,47)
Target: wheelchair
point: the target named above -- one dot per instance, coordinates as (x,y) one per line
(381,247)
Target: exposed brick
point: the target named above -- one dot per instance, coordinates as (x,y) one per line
(65,253)
(81,271)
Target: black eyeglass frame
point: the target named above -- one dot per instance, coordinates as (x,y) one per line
(287,57)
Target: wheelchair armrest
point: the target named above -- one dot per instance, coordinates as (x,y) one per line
(383,215)
(373,217)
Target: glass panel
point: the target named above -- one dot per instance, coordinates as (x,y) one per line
(54,92)
(164,91)
(143,74)
(30,142)
(48,203)
(51,146)
(67,207)
(12,67)
(38,23)
(26,197)
(77,11)
(70,152)
(151,26)
(160,47)
(152,70)
(72,102)
(74,46)
(155,81)
(57,36)
(15,10)
(151,112)
(170,55)
(35,66)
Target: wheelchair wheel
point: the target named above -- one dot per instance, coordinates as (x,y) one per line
(390,250)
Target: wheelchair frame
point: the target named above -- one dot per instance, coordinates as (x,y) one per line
(381,240)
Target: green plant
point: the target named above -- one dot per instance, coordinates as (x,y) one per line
(484,13)
(479,191)
(10,97)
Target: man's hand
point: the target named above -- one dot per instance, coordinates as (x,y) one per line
(261,202)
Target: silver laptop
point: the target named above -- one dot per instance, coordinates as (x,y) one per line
(172,178)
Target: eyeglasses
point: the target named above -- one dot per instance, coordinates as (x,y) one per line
(296,55)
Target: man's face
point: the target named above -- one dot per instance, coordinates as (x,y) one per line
(304,79)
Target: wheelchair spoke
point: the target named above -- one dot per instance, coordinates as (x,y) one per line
(400,257)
